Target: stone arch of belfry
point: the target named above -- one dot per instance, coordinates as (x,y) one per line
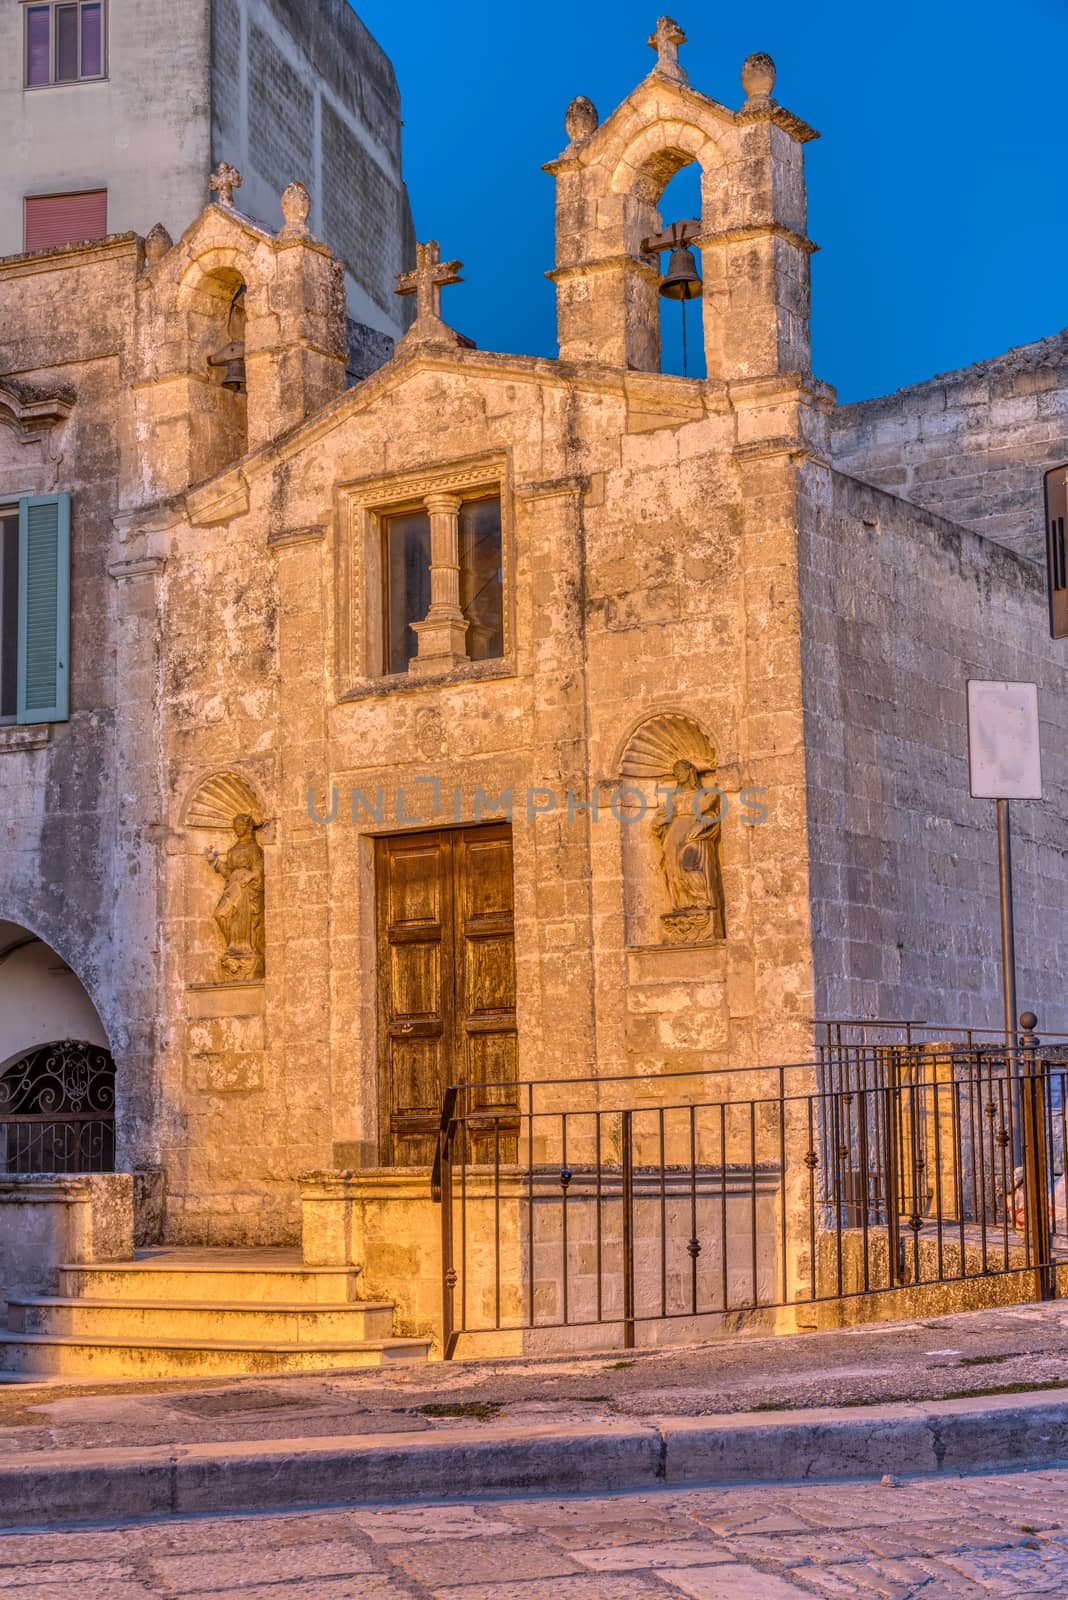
(752,239)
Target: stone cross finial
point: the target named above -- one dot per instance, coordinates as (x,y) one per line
(224,180)
(665,41)
(426,283)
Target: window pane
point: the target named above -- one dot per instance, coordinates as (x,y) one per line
(92,41)
(66,43)
(37,36)
(481,578)
(9,613)
(407,585)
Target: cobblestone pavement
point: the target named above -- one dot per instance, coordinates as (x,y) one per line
(1002,1536)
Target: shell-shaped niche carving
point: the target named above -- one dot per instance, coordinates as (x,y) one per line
(660,743)
(219,800)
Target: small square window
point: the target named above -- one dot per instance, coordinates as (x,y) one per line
(406,567)
(65,42)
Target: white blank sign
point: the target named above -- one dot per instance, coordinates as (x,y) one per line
(1003,750)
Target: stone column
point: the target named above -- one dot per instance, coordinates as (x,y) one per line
(443,633)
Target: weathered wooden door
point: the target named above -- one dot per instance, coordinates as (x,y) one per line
(446,954)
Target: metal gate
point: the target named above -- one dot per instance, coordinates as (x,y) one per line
(57,1110)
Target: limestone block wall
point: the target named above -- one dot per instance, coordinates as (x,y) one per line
(970,445)
(900,608)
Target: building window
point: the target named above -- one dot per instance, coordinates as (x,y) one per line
(65,43)
(444,589)
(9,614)
(482,578)
(35,609)
(55,219)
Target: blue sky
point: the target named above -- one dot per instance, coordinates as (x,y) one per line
(937,192)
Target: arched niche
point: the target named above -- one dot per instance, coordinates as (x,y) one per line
(223,882)
(670,834)
(215,296)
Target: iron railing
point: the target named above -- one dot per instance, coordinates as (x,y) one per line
(610,1204)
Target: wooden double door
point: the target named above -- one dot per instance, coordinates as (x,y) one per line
(446,981)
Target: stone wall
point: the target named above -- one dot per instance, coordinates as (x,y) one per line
(971,445)
(303,92)
(68,318)
(900,608)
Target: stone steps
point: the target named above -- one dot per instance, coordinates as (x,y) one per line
(189,1313)
(203,1281)
(48,1355)
(263,1322)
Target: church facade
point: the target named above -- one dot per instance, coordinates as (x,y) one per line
(499,718)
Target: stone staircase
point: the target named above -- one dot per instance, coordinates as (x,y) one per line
(200,1313)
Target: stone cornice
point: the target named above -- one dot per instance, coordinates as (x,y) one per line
(758,230)
(32,412)
(285,538)
(474,472)
(218,499)
(629,263)
(552,489)
(61,257)
(137,567)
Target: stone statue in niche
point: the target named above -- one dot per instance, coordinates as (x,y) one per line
(672,752)
(239,913)
(688,828)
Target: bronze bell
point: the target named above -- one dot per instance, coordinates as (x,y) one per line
(232,357)
(681,281)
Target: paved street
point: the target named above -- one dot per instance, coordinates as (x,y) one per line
(1003,1536)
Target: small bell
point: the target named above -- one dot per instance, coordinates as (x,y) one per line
(235,377)
(681,281)
(232,357)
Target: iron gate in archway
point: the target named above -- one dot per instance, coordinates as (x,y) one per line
(57,1110)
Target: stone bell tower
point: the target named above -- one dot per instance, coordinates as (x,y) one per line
(754,248)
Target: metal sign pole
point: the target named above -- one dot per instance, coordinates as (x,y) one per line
(1008,974)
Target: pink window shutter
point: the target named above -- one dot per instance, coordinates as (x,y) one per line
(54,219)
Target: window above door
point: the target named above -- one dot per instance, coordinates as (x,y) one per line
(65,42)
(425,576)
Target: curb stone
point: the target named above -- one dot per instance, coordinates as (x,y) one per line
(857,1442)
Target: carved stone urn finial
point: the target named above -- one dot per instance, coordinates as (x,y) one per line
(758,78)
(296,204)
(157,242)
(581,119)
(224,180)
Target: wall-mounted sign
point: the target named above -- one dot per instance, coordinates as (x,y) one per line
(1056,566)
(1003,749)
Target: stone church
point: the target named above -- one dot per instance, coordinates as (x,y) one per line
(498,718)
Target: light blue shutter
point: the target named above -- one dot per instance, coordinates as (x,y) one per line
(44,609)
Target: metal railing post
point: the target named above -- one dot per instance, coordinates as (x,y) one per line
(627,1159)
(893,1213)
(1036,1160)
(441,1191)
